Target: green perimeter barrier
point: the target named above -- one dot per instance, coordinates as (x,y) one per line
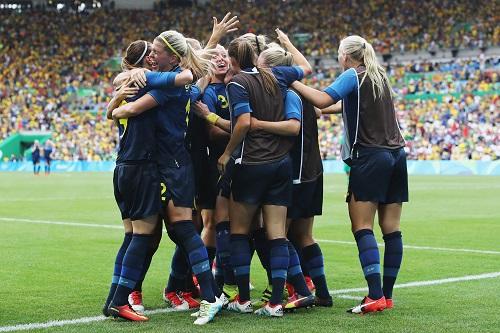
(20,143)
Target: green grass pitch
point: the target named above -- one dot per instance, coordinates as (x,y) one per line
(54,272)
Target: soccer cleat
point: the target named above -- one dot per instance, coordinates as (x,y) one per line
(325,302)
(223,300)
(369,305)
(231,291)
(270,311)
(188,297)
(389,304)
(135,301)
(105,310)
(298,302)
(125,312)
(174,301)
(236,306)
(310,284)
(207,312)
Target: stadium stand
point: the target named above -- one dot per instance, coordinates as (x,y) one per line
(58,80)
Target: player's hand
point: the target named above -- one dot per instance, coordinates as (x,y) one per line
(282,37)
(127,91)
(225,26)
(138,77)
(201,109)
(222,163)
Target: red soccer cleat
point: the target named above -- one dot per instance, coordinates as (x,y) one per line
(389,303)
(188,297)
(125,312)
(369,305)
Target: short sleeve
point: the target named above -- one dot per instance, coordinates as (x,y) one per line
(346,83)
(160,97)
(160,80)
(210,100)
(293,106)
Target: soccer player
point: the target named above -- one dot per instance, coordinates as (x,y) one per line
(176,170)
(48,151)
(262,174)
(136,182)
(307,177)
(214,108)
(374,148)
(35,157)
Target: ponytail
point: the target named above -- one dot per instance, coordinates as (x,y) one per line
(362,51)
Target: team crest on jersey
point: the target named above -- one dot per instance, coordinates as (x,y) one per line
(223,101)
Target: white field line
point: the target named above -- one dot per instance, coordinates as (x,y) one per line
(119,226)
(340,293)
(414,247)
(356,298)
(59,323)
(425,283)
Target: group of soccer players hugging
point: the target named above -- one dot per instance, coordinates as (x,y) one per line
(233,133)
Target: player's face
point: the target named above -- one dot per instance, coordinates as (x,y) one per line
(221,61)
(164,60)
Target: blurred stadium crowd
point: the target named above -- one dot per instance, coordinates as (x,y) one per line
(56,72)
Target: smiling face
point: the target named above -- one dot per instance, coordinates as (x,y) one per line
(163,61)
(221,61)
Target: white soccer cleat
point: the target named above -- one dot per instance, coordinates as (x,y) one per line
(269,311)
(236,306)
(207,312)
(135,301)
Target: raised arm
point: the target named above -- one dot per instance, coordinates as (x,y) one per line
(298,58)
(318,98)
(135,108)
(226,25)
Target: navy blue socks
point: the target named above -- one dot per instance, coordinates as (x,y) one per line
(240,261)
(370,261)
(393,256)
(313,260)
(279,261)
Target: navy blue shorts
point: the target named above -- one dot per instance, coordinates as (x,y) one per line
(378,175)
(307,199)
(263,184)
(136,188)
(177,184)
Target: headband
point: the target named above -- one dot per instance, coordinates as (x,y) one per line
(170,47)
(258,46)
(143,53)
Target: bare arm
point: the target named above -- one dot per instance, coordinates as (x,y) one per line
(318,98)
(240,131)
(135,108)
(290,127)
(298,58)
(333,109)
(225,26)
(217,134)
(202,111)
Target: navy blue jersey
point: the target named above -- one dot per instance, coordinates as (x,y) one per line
(172,122)
(216,100)
(138,139)
(35,154)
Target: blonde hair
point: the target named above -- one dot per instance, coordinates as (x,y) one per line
(276,56)
(242,51)
(174,42)
(360,50)
(258,43)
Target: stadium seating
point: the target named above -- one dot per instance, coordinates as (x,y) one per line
(59,79)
